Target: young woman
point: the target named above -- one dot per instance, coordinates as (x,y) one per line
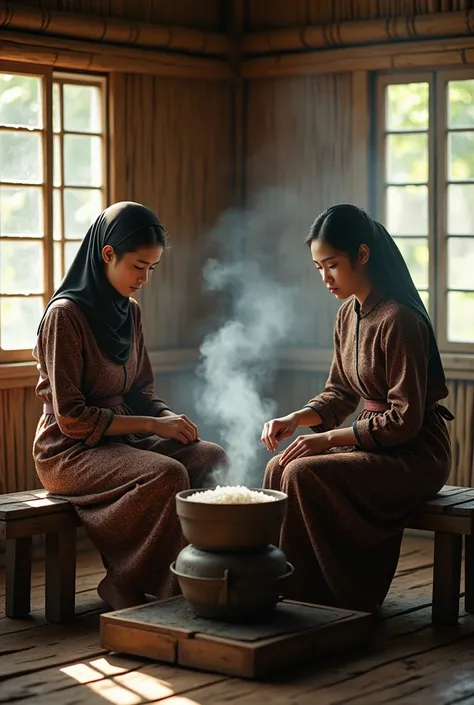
(351,489)
(105,441)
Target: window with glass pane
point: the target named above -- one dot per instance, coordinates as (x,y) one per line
(22,216)
(406,175)
(459,96)
(427,153)
(68,181)
(79,157)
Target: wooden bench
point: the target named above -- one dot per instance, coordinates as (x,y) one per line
(26,514)
(450,515)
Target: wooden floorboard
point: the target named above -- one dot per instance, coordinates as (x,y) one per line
(409,662)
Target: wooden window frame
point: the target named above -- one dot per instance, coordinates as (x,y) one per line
(46,73)
(442,79)
(50,77)
(437,180)
(62,78)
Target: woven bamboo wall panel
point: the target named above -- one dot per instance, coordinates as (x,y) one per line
(461,403)
(19,414)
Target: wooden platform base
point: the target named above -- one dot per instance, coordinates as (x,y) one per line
(168,631)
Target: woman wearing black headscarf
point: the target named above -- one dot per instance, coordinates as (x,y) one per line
(351,490)
(105,441)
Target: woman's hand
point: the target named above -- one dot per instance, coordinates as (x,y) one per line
(303,446)
(175,426)
(276,430)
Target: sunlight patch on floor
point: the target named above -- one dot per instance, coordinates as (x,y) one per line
(122,687)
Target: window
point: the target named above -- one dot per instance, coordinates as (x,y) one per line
(426,191)
(52,186)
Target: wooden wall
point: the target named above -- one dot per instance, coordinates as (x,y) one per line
(19,414)
(302,154)
(173,152)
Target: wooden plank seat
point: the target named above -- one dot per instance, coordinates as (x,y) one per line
(450,515)
(26,514)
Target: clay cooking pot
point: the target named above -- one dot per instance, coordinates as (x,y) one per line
(231,527)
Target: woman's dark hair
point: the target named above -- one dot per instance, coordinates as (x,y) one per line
(345,228)
(126,227)
(144,237)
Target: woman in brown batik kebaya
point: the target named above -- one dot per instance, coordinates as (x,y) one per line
(351,490)
(105,441)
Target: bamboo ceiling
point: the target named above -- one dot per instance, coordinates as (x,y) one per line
(297,34)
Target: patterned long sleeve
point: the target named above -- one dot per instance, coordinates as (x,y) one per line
(142,398)
(405,342)
(60,334)
(338,399)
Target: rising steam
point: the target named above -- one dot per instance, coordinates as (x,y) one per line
(239,359)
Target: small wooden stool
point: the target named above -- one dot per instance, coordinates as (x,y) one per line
(450,515)
(23,515)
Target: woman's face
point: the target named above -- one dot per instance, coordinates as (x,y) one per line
(129,273)
(342,277)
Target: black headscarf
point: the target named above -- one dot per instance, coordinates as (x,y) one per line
(387,268)
(108,312)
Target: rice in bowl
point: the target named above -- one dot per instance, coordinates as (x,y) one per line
(237,494)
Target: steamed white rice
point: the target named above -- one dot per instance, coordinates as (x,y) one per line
(231,495)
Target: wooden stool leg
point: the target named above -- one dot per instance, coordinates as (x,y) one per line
(60,575)
(469,574)
(446,578)
(18,577)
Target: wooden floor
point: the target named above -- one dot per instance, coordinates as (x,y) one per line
(409,663)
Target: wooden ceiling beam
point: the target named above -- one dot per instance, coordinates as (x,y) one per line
(435,25)
(110,30)
(455,52)
(93,56)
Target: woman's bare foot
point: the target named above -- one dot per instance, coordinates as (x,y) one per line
(117,598)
